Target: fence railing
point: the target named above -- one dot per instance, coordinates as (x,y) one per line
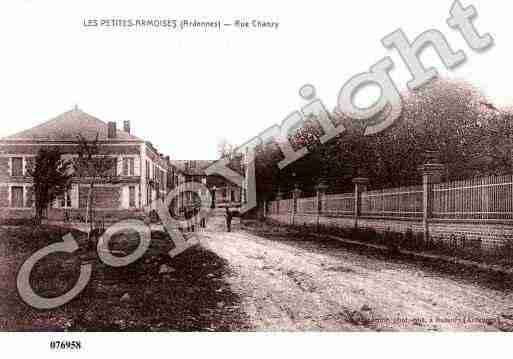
(483,198)
(274,207)
(480,198)
(393,202)
(338,204)
(282,206)
(307,205)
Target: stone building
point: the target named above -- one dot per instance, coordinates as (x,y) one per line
(223,192)
(140,174)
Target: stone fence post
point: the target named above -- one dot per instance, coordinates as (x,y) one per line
(320,191)
(360,185)
(296,194)
(279,196)
(431,174)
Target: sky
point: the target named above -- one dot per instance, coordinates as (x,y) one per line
(186,90)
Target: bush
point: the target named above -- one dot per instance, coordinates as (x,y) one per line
(17,222)
(32,238)
(453,245)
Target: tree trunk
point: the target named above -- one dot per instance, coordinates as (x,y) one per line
(39,215)
(89,210)
(38,218)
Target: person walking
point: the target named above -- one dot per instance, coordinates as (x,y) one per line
(229,217)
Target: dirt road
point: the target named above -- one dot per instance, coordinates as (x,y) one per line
(285,286)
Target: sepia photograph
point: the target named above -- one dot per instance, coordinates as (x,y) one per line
(289,177)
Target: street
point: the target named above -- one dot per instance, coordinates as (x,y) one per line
(297,285)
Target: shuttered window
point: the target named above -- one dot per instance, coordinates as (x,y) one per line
(131,196)
(131,166)
(17,197)
(65,200)
(17,166)
(128,166)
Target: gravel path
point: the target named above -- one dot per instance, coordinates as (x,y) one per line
(288,287)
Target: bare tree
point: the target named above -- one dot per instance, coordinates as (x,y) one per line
(225,149)
(94,168)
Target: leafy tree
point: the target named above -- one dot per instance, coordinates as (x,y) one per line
(497,141)
(450,117)
(445,116)
(52,178)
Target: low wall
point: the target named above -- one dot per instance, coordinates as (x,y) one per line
(73,215)
(493,235)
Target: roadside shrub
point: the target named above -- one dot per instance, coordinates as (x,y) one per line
(392,241)
(18,240)
(507,250)
(456,245)
(409,240)
(17,222)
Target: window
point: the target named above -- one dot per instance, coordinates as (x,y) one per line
(17,197)
(64,201)
(17,166)
(128,166)
(131,196)
(147,170)
(103,166)
(232,196)
(113,170)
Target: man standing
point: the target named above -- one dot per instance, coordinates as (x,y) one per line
(229,217)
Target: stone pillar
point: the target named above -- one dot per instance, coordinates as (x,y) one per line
(360,185)
(279,196)
(431,174)
(320,191)
(296,194)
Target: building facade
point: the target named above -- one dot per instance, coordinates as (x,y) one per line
(139,173)
(223,192)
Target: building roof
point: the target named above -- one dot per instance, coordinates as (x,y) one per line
(68,126)
(192,167)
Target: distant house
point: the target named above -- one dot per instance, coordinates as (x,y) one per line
(223,192)
(140,174)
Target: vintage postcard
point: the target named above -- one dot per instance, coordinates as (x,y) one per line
(304,169)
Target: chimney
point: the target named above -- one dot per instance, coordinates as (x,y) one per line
(126,126)
(111,130)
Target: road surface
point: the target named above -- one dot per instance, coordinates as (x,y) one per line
(312,287)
